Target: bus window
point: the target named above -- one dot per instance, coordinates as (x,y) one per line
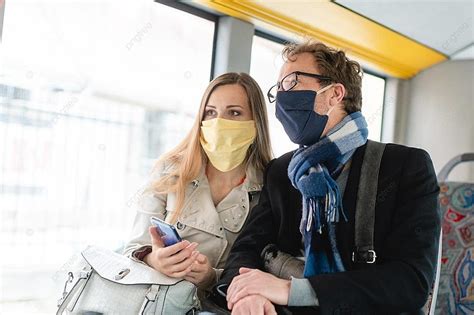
(373,91)
(89,98)
(264,68)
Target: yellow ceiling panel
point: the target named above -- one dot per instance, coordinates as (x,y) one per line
(363,39)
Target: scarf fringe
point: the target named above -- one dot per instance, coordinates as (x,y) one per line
(322,211)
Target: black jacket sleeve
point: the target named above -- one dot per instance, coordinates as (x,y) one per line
(403,277)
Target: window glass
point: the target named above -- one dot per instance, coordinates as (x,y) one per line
(373,91)
(91,93)
(264,68)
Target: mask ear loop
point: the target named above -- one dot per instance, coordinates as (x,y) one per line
(324,89)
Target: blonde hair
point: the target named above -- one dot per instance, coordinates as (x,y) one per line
(188,157)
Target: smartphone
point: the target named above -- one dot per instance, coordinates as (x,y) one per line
(168,232)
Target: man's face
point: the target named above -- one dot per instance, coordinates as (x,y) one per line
(305,62)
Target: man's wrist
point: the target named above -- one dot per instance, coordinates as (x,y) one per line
(287,291)
(301,293)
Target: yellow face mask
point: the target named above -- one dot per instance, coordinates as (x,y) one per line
(226,141)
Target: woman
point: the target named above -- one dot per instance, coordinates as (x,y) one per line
(207,185)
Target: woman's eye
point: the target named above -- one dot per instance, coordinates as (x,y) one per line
(235,113)
(209,112)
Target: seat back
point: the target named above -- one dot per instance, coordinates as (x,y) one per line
(456,279)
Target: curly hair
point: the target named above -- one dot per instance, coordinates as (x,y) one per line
(333,63)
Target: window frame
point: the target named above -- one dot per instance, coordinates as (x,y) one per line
(181,6)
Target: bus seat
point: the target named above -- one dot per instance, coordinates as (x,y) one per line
(455,281)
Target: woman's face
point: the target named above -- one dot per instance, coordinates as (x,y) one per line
(228,101)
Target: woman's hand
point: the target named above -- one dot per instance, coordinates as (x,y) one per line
(202,274)
(175,261)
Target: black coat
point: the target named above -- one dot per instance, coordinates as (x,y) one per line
(407,227)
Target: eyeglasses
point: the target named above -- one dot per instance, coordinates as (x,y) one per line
(290,81)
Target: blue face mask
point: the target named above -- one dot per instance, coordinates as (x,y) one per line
(295,111)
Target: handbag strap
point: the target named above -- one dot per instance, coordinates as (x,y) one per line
(365,206)
(68,296)
(151,296)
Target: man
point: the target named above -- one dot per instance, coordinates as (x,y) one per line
(307,206)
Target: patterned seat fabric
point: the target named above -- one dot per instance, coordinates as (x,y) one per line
(456,285)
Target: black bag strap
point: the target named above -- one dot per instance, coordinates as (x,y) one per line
(364,251)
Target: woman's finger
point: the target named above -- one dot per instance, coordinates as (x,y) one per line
(175,248)
(202,259)
(185,264)
(181,255)
(156,240)
(191,274)
(181,274)
(189,277)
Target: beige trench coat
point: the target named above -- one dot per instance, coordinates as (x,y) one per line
(214,228)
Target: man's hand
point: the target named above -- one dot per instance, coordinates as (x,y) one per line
(254,305)
(256,282)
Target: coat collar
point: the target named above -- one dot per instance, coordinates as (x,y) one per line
(233,209)
(253,178)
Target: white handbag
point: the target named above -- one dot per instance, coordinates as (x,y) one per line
(110,283)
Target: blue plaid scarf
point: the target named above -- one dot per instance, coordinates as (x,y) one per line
(312,171)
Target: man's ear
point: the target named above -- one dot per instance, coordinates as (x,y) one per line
(339,91)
